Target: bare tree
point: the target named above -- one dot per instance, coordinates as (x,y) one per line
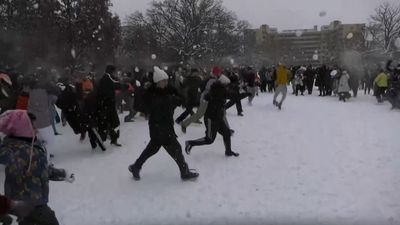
(187,30)
(385,25)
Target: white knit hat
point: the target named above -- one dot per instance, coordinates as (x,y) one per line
(159,75)
(224,80)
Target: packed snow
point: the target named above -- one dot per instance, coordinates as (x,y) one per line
(318,161)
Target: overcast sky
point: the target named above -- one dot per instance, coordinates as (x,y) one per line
(283,14)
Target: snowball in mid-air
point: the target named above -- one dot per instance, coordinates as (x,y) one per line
(137,69)
(349,35)
(299,33)
(322,13)
(153,56)
(165,67)
(73,53)
(315,57)
(232,61)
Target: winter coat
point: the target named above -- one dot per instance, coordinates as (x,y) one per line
(208,83)
(39,105)
(298,78)
(344,83)
(161,105)
(89,111)
(250,78)
(22,101)
(20,184)
(309,76)
(216,102)
(191,86)
(107,112)
(68,102)
(7,98)
(282,75)
(381,80)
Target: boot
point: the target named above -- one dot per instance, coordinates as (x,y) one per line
(188,174)
(279,106)
(231,153)
(135,171)
(114,138)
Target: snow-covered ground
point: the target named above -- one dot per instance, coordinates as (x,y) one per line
(318,161)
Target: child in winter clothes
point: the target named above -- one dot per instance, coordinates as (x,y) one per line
(27,170)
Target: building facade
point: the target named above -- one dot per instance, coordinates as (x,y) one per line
(306,46)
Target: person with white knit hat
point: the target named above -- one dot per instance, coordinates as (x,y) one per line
(215,118)
(163,100)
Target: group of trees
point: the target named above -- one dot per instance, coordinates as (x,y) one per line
(383,31)
(195,31)
(84,33)
(57,33)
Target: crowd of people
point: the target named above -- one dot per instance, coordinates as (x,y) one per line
(91,107)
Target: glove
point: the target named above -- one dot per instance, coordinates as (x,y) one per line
(69,177)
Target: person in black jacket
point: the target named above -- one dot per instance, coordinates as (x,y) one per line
(214,118)
(309,79)
(236,97)
(163,100)
(191,86)
(107,112)
(67,101)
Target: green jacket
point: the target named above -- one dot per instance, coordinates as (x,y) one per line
(381,80)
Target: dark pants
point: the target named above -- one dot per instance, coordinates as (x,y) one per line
(380,92)
(212,128)
(355,91)
(322,90)
(237,100)
(173,148)
(271,86)
(310,85)
(188,111)
(41,215)
(299,88)
(263,87)
(129,104)
(367,88)
(114,134)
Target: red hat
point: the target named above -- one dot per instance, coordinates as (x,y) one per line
(216,70)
